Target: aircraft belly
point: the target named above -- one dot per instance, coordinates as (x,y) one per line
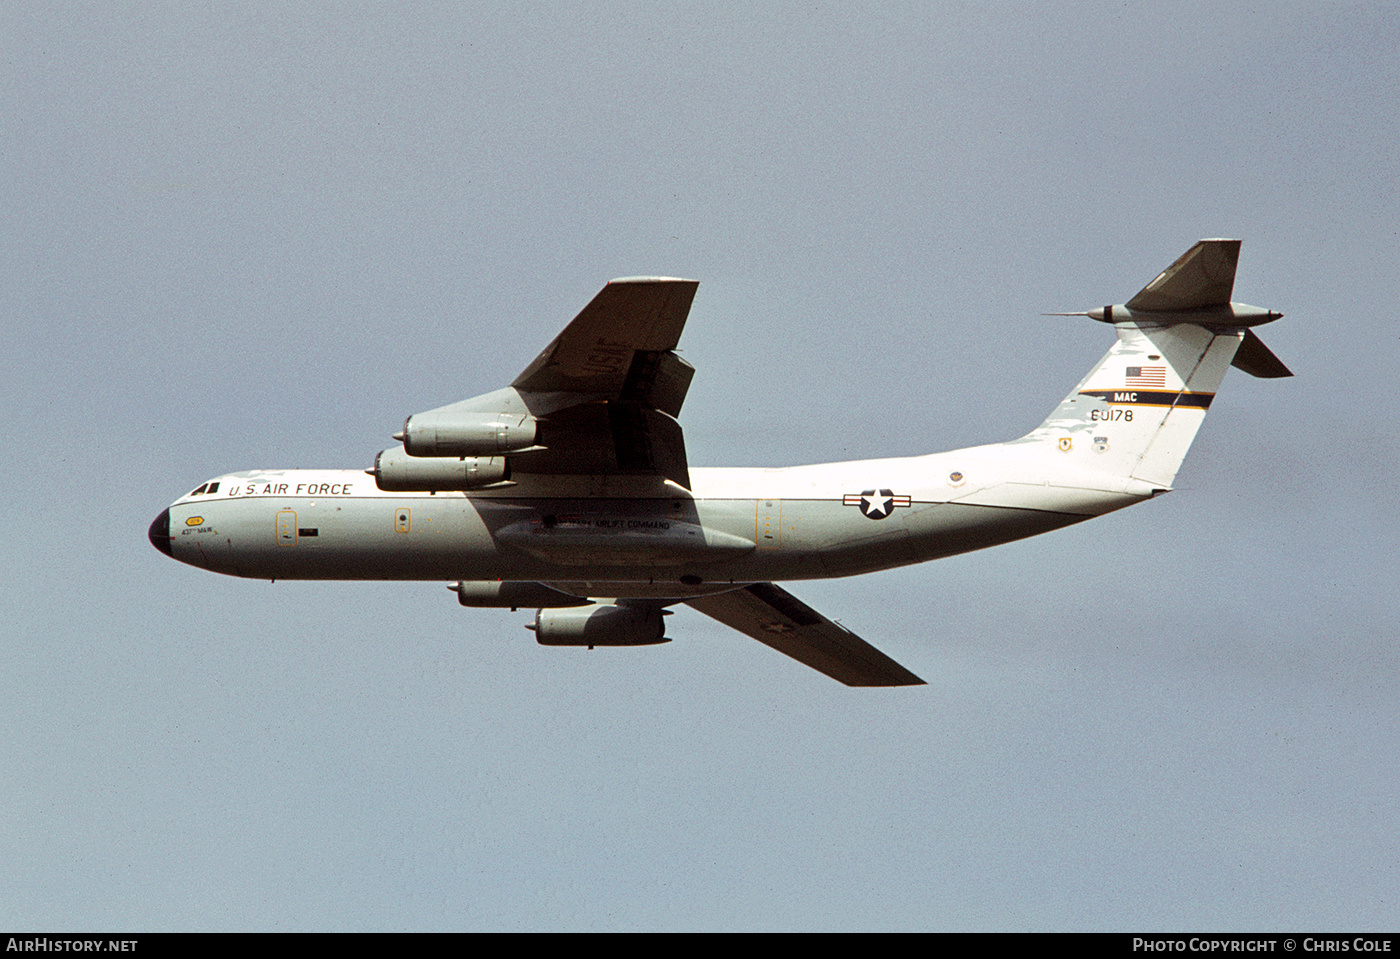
(947,529)
(828,539)
(621,541)
(842,540)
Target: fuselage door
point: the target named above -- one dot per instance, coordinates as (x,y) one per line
(768,523)
(286,527)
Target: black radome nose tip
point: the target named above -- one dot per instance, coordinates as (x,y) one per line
(160,532)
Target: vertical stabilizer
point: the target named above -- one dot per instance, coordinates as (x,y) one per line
(1138,410)
(1136,413)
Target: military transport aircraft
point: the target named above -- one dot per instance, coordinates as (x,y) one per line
(569,491)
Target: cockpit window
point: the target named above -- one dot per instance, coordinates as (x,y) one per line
(213,488)
(202,489)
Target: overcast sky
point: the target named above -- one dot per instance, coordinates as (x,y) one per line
(258,235)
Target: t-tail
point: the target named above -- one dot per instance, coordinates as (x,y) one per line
(1138,410)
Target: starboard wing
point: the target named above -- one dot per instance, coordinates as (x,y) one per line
(608,389)
(616,341)
(600,401)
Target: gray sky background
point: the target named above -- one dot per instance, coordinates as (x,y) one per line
(248,235)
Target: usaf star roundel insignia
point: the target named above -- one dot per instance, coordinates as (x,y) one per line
(875,503)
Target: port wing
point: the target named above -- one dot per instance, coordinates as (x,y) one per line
(778,619)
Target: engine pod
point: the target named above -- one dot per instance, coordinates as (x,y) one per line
(397,472)
(463,433)
(495,594)
(601,624)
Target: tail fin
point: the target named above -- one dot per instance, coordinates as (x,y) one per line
(1138,410)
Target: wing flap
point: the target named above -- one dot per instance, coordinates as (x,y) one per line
(780,620)
(605,439)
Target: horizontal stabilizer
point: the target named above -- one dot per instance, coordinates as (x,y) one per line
(1256,359)
(1203,276)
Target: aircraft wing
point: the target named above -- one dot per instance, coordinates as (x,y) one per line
(601,400)
(608,389)
(598,350)
(778,619)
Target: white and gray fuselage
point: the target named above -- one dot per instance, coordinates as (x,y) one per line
(735,525)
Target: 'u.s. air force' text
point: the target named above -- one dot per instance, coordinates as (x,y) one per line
(285,489)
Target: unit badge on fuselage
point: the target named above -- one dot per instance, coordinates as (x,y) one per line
(875,503)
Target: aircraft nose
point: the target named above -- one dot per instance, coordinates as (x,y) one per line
(160,532)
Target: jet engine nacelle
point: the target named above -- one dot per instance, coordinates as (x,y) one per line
(600,624)
(496,594)
(396,472)
(463,433)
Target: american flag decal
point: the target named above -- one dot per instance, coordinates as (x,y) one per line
(1145,377)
